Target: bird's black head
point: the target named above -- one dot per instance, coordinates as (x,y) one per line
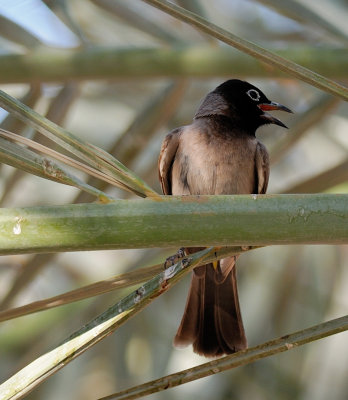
(242,103)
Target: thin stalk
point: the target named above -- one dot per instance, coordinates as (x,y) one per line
(26,160)
(111,284)
(285,343)
(58,156)
(252,49)
(94,156)
(40,369)
(31,98)
(56,112)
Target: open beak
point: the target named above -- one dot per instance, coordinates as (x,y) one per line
(270,107)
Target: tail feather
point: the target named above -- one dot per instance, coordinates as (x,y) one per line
(212,320)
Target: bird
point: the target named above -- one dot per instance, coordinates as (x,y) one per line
(217,154)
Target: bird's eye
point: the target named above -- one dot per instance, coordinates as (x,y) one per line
(253,94)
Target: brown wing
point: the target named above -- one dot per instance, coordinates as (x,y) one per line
(166,158)
(262,168)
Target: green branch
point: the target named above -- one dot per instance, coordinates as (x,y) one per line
(253,220)
(196,61)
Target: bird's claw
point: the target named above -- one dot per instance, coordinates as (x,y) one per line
(245,248)
(174,258)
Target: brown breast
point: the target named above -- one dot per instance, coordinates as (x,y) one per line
(206,163)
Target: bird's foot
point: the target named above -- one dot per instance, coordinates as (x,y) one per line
(174,258)
(245,248)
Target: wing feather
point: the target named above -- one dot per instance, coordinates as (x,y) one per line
(262,168)
(166,158)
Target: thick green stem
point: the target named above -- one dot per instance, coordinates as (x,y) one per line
(197,61)
(253,220)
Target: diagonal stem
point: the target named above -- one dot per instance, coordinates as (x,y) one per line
(116,282)
(252,49)
(49,363)
(244,357)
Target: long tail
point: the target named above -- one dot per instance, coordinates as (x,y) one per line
(212,321)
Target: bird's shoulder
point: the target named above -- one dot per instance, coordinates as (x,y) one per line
(216,133)
(166,157)
(262,167)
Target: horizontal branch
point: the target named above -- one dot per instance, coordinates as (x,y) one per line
(246,220)
(197,61)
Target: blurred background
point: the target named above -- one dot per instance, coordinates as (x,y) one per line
(121,74)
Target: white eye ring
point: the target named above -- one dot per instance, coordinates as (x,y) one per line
(253,94)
